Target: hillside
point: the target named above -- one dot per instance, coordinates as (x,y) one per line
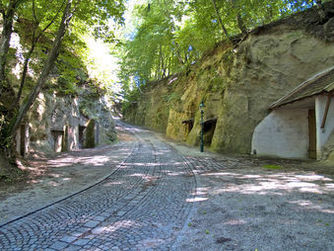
(237,83)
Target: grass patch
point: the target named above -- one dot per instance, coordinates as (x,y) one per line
(273,167)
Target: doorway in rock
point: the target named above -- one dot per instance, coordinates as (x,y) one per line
(90,134)
(209,130)
(58,137)
(82,136)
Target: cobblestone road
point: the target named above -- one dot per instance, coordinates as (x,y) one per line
(142,205)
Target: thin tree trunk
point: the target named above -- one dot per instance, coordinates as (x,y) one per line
(24,74)
(67,15)
(8,18)
(219,19)
(32,48)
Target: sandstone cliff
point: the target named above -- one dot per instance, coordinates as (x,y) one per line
(238,83)
(64,123)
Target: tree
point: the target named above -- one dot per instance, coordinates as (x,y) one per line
(80,13)
(219,18)
(8,10)
(52,56)
(171,35)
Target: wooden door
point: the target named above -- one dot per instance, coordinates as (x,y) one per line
(312,135)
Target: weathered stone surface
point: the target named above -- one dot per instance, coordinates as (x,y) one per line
(238,84)
(55,116)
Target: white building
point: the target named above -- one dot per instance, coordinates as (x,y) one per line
(300,124)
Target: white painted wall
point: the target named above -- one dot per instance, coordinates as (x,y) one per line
(323,134)
(283,133)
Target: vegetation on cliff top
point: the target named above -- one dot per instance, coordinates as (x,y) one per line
(168,37)
(42,47)
(171,35)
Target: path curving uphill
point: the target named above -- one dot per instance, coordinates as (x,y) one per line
(143,204)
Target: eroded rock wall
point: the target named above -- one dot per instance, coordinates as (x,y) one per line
(66,118)
(238,83)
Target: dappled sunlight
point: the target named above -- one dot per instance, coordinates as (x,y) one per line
(54,175)
(313,177)
(234,222)
(310,205)
(162,152)
(330,186)
(115,226)
(53,183)
(200,194)
(141,164)
(272,183)
(144,176)
(115,183)
(202,190)
(97,160)
(170,173)
(197,199)
(152,243)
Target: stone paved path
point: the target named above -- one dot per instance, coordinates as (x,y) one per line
(143,204)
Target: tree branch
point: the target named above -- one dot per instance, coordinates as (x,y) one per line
(219,19)
(52,56)
(53,19)
(32,48)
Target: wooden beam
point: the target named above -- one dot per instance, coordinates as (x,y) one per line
(324,118)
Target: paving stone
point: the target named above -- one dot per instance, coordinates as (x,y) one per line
(73,248)
(145,209)
(81,242)
(58,245)
(68,238)
(91,224)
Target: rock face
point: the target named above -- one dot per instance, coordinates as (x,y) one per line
(65,123)
(237,84)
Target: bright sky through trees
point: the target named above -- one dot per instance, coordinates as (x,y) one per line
(163,37)
(102,61)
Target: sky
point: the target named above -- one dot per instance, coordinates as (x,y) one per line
(105,65)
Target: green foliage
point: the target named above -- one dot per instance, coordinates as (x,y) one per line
(171,35)
(131,97)
(273,167)
(43,26)
(172,97)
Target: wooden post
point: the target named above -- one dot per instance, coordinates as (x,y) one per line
(324,118)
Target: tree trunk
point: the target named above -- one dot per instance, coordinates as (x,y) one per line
(219,19)
(34,42)
(24,74)
(8,18)
(67,15)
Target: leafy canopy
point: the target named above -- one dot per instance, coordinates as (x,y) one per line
(170,35)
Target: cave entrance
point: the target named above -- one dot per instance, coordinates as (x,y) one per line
(209,128)
(58,140)
(90,136)
(81,136)
(188,125)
